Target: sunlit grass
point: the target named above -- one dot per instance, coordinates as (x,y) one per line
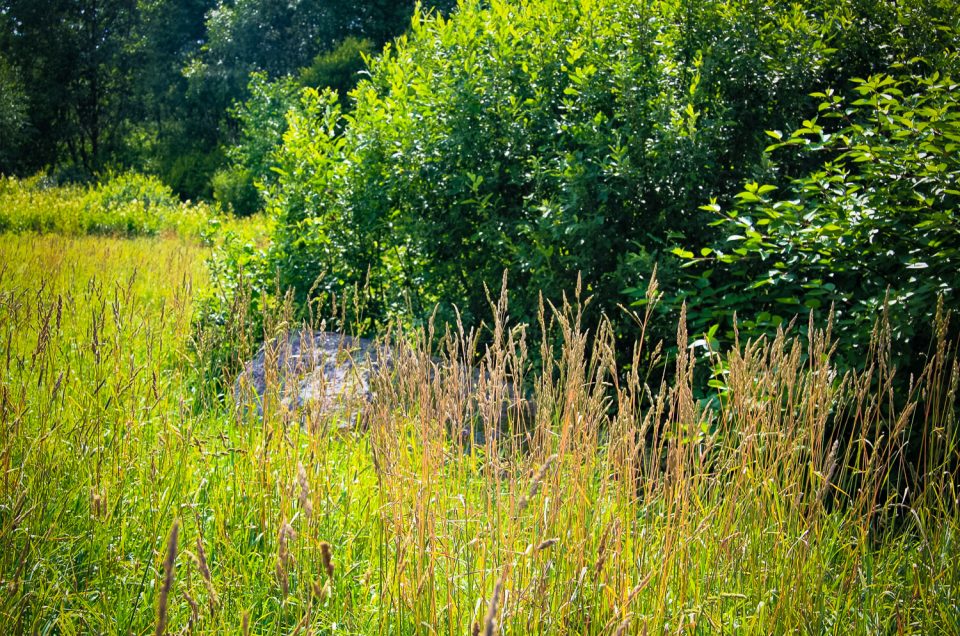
(32,205)
(617,508)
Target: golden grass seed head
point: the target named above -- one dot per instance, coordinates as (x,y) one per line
(326,557)
(169,566)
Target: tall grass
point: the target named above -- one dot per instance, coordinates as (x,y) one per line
(797,501)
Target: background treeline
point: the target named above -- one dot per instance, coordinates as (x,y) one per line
(87,85)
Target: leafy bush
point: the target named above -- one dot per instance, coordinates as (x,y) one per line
(261,121)
(234,189)
(550,138)
(189,171)
(553,139)
(871,231)
(129,203)
(131,188)
(35,205)
(340,68)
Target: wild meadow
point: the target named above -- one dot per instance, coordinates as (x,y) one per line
(800,500)
(665,292)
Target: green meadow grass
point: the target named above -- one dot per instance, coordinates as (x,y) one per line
(129,506)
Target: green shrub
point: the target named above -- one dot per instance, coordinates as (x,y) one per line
(261,120)
(132,188)
(871,231)
(190,171)
(129,203)
(338,69)
(36,205)
(554,139)
(234,189)
(549,138)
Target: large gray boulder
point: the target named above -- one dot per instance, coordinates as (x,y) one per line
(323,372)
(324,378)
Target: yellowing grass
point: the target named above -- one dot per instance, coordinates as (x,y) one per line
(622,506)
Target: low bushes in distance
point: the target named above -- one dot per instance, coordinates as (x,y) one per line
(127,204)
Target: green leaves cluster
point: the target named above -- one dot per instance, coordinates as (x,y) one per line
(872,230)
(339,68)
(261,120)
(13,110)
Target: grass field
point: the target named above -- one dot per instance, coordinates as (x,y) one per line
(128,507)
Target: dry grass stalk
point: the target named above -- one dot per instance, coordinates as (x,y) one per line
(490,621)
(828,472)
(321,591)
(205,573)
(284,557)
(547,544)
(304,621)
(305,503)
(326,557)
(623,627)
(535,484)
(98,504)
(194,610)
(639,587)
(169,566)
(602,549)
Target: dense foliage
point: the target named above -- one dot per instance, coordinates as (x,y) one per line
(262,122)
(594,475)
(13,109)
(552,139)
(561,139)
(340,68)
(871,231)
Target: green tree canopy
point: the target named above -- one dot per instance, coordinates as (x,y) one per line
(76,72)
(148,83)
(13,114)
